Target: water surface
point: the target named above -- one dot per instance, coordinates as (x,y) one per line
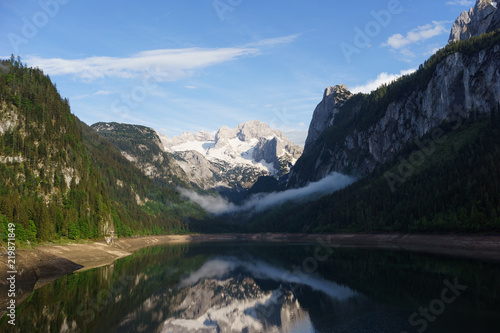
(269,287)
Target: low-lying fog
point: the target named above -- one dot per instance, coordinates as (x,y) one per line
(262,201)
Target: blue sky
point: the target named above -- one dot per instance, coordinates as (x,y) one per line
(184,65)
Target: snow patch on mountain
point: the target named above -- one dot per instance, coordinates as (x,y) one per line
(252,147)
(235,152)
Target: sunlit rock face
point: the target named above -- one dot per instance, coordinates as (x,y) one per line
(482,18)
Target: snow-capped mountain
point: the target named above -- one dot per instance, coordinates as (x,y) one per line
(233,157)
(234,305)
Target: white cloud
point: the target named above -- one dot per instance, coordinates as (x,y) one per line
(382,78)
(416,35)
(162,65)
(460,3)
(103,92)
(190,87)
(261,202)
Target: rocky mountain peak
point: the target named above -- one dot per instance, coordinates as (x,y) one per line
(337,90)
(234,156)
(246,132)
(482,18)
(254,130)
(333,99)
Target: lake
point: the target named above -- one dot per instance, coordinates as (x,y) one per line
(269,287)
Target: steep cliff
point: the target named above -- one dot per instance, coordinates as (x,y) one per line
(324,114)
(482,18)
(459,82)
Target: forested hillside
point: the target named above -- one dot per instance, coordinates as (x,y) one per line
(60,179)
(142,146)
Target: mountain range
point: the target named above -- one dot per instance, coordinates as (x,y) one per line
(425,150)
(230,158)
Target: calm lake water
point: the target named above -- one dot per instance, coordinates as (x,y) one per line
(254,287)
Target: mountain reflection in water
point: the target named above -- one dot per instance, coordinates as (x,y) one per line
(254,287)
(225,295)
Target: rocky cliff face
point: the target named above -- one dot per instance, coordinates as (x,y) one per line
(233,157)
(324,114)
(461,86)
(482,18)
(279,153)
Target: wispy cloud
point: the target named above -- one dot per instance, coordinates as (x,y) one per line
(432,51)
(382,78)
(407,53)
(298,137)
(275,41)
(420,34)
(213,205)
(79,97)
(261,202)
(460,3)
(163,65)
